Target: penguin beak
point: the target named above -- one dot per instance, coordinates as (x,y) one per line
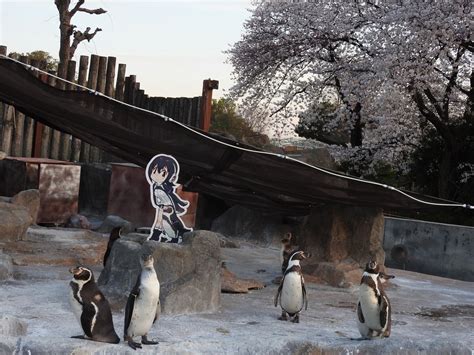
(75,270)
(306,255)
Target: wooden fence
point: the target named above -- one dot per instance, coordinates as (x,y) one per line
(23,136)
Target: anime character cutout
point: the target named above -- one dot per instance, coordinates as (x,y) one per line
(162,174)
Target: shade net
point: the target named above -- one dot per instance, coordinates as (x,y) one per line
(250,178)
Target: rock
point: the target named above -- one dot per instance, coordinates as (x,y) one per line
(230,283)
(189,273)
(5,199)
(30,199)
(57,246)
(342,239)
(6,266)
(78,221)
(110,222)
(240,222)
(3,155)
(227,242)
(11,326)
(14,221)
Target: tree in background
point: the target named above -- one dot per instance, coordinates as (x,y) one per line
(391,69)
(225,120)
(68,31)
(41,56)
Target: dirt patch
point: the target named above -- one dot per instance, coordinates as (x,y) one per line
(447,311)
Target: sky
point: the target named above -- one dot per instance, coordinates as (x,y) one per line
(171,46)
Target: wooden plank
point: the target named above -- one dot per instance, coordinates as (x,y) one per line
(120,85)
(8,121)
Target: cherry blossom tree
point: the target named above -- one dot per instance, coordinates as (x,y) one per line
(391,71)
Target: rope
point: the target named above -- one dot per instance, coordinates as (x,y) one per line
(237,146)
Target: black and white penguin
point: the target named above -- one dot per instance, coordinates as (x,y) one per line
(143,305)
(91,307)
(292,291)
(373,309)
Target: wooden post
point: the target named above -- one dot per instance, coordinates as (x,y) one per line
(19,125)
(110,77)
(206,103)
(30,130)
(96,153)
(91,84)
(67,138)
(42,147)
(120,85)
(81,80)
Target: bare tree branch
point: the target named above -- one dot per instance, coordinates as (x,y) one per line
(82,36)
(92,11)
(76,7)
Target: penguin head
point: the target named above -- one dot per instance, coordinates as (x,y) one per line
(81,274)
(299,255)
(147,261)
(372,267)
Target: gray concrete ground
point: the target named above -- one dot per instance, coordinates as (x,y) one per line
(431,315)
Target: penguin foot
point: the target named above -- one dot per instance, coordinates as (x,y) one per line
(283,318)
(134,345)
(78,337)
(145,341)
(296,319)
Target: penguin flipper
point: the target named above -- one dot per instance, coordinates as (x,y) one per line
(158,311)
(130,305)
(305,297)
(360,315)
(384,312)
(279,291)
(88,318)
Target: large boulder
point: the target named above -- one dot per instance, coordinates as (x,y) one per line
(240,222)
(6,266)
(30,199)
(111,222)
(3,155)
(189,273)
(341,240)
(14,221)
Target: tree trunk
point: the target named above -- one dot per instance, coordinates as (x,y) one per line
(356,131)
(65,30)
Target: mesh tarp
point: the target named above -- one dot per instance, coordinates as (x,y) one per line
(265,182)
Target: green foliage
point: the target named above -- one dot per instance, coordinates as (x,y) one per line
(226,121)
(42,56)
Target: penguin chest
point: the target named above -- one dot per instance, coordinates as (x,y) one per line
(370,307)
(144,310)
(292,293)
(75,305)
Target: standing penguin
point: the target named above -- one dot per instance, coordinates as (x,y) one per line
(373,308)
(143,305)
(292,292)
(91,308)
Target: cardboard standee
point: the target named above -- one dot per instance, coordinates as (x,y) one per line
(162,173)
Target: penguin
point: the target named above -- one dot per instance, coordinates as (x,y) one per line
(143,305)
(286,249)
(292,291)
(91,307)
(114,235)
(373,307)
